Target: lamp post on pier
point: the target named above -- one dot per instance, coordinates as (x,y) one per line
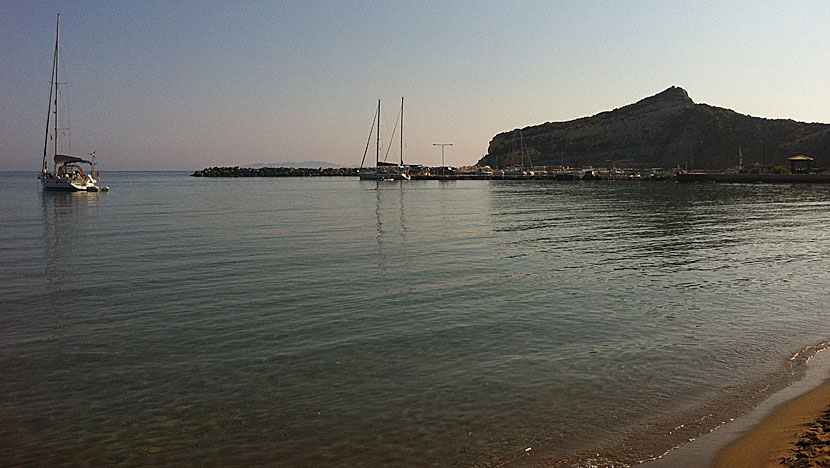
(442,145)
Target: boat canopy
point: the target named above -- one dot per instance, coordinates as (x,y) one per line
(64,159)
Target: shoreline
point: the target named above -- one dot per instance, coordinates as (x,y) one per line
(793,433)
(768,433)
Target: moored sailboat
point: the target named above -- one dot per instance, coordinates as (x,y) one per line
(68,171)
(521,169)
(383,170)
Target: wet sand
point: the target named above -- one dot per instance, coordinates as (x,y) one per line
(792,424)
(797,434)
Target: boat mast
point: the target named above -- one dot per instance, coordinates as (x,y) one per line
(53,88)
(57,68)
(522,147)
(377,146)
(401,131)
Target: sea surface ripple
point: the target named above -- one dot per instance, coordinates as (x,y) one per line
(330,322)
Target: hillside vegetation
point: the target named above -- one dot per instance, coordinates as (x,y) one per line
(664,130)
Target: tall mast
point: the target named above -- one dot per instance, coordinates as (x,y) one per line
(377,146)
(401,130)
(52,89)
(57,67)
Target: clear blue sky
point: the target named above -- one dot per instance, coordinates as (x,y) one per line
(162,85)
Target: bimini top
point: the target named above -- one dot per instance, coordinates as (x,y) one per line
(64,159)
(801,157)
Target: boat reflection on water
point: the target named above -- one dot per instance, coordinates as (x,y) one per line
(391,233)
(70,226)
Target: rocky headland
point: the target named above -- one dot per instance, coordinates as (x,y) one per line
(664,130)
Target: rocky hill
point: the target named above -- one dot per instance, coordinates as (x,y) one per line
(664,130)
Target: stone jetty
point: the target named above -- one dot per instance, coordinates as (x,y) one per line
(435,173)
(237,171)
(823,178)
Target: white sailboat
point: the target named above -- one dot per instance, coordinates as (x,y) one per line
(68,171)
(521,170)
(383,170)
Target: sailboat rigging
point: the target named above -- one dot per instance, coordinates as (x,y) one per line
(520,169)
(383,170)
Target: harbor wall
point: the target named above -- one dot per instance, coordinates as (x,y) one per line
(755,178)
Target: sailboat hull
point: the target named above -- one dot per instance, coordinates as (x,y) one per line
(66,184)
(383,175)
(375,176)
(60,184)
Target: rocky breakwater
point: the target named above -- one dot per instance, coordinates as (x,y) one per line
(237,171)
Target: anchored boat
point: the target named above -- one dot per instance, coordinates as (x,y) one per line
(68,172)
(383,170)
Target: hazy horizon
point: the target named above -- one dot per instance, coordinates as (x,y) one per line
(188,85)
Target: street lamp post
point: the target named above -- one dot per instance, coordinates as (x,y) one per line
(442,145)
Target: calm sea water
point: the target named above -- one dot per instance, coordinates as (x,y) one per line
(178,321)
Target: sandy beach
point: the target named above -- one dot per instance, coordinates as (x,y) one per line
(791,428)
(797,434)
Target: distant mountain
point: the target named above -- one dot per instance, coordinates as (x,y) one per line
(664,130)
(298,165)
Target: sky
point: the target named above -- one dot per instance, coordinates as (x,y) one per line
(184,85)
